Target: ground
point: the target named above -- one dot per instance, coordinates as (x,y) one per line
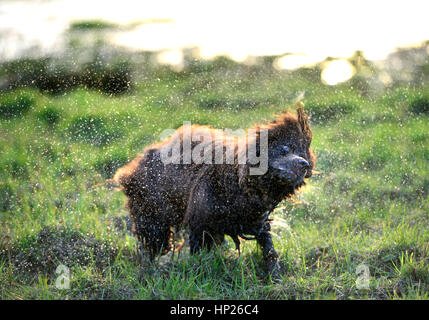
(368,205)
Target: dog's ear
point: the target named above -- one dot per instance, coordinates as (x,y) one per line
(124,175)
(303,121)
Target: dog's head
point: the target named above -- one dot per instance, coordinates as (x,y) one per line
(290,158)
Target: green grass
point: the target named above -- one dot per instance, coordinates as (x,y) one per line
(369,205)
(88,25)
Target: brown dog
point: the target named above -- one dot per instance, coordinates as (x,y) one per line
(214,200)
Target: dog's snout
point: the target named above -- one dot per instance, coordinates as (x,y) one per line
(303,164)
(305,167)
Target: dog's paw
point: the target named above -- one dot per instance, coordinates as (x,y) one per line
(275,269)
(143,255)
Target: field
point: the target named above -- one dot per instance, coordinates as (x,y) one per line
(366,211)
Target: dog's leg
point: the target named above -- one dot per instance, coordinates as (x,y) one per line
(237,244)
(269,253)
(194,241)
(144,256)
(200,239)
(199,218)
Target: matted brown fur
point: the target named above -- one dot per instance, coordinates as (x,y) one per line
(214,200)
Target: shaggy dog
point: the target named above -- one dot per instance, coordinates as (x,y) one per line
(214,200)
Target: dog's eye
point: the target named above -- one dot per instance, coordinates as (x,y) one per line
(285,149)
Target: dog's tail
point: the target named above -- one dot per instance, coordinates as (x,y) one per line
(124,175)
(122,180)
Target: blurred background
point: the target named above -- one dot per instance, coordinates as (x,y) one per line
(86,85)
(335,36)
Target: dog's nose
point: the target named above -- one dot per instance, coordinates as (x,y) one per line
(303,164)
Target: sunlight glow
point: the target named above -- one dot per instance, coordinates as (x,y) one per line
(238,28)
(337,71)
(174,58)
(294,61)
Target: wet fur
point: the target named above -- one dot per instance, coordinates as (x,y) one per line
(210,200)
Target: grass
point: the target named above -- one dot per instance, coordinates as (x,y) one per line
(369,205)
(86,25)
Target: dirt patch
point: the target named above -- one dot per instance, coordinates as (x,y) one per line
(53,246)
